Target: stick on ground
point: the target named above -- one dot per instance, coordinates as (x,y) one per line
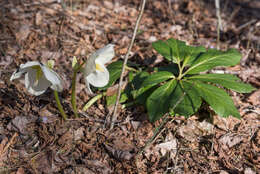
(114,115)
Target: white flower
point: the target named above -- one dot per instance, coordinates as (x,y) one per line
(38,77)
(95,72)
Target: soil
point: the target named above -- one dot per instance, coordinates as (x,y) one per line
(35,139)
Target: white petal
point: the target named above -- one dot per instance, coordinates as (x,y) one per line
(29,64)
(88,87)
(30,83)
(53,78)
(23,68)
(99,78)
(17,74)
(105,54)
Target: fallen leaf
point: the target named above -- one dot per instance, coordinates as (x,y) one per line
(230,140)
(118,153)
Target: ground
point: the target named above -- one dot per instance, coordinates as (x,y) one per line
(35,139)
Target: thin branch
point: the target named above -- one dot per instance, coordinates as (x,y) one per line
(114,116)
(219,22)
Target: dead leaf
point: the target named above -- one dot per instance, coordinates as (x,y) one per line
(42,162)
(255,98)
(169,146)
(226,124)
(194,129)
(79,134)
(98,166)
(230,140)
(23,33)
(118,153)
(19,123)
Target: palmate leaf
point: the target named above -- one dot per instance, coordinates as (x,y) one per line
(217,98)
(172,67)
(188,96)
(213,58)
(157,77)
(226,80)
(139,92)
(176,50)
(182,97)
(157,103)
(183,52)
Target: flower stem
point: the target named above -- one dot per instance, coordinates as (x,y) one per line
(73,93)
(59,105)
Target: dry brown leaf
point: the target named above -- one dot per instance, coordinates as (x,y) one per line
(194,129)
(230,140)
(118,153)
(19,123)
(226,124)
(23,33)
(255,98)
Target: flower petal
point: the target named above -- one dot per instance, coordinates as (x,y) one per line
(53,78)
(17,74)
(23,68)
(88,87)
(29,64)
(98,78)
(34,87)
(105,54)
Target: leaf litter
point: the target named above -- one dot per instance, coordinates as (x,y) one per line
(35,140)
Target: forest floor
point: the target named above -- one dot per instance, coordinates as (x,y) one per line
(35,139)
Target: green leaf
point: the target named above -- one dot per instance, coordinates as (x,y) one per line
(157,77)
(226,80)
(115,70)
(158,102)
(188,97)
(176,50)
(213,58)
(173,68)
(218,99)
(111,100)
(163,49)
(192,54)
(136,90)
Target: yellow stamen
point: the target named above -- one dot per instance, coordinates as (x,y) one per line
(99,67)
(39,74)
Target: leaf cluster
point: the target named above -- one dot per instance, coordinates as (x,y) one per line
(185,80)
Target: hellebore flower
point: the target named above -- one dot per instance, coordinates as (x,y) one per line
(38,77)
(95,72)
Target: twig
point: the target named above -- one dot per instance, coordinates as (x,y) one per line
(114,115)
(219,21)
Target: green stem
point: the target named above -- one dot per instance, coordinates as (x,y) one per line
(59,105)
(131,69)
(93,100)
(73,93)
(180,70)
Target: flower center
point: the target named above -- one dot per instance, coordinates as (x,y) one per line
(99,67)
(39,74)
